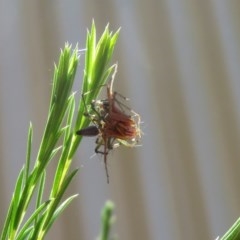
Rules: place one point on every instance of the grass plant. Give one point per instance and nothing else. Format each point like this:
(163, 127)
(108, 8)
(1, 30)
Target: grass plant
(63, 119)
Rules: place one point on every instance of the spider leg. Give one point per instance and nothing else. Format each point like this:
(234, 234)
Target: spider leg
(105, 161)
(100, 142)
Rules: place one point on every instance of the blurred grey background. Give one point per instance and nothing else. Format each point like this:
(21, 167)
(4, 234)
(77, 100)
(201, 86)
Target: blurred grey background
(179, 63)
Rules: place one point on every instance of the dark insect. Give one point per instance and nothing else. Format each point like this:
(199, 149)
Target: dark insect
(89, 131)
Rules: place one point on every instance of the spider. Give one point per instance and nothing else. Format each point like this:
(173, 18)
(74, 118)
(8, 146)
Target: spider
(112, 125)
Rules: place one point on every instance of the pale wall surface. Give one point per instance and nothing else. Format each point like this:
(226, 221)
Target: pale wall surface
(179, 62)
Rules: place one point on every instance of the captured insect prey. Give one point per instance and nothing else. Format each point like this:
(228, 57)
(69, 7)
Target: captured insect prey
(114, 123)
(89, 131)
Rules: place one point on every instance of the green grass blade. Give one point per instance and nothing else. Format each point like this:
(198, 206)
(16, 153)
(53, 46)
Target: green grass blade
(26, 234)
(89, 57)
(62, 168)
(233, 233)
(28, 155)
(96, 71)
(9, 223)
(40, 192)
(43, 224)
(55, 151)
(31, 220)
(71, 107)
(6, 226)
(59, 210)
(106, 220)
(16, 199)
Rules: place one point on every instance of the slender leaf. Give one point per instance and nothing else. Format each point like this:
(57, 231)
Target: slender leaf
(29, 148)
(71, 106)
(106, 220)
(42, 226)
(26, 234)
(6, 226)
(16, 198)
(59, 210)
(31, 219)
(40, 192)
